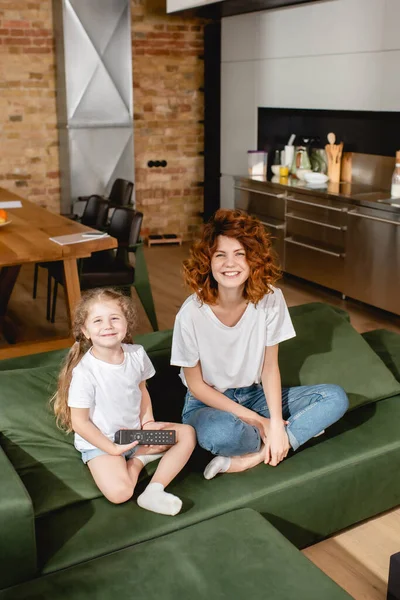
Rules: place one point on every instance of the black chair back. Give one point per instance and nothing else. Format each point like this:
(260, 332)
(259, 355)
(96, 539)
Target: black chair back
(125, 226)
(121, 192)
(95, 213)
(135, 228)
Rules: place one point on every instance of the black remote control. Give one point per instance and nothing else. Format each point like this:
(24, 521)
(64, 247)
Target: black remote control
(146, 437)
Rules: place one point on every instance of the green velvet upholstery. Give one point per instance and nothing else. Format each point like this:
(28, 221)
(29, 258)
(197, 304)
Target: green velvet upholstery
(327, 349)
(386, 344)
(17, 528)
(237, 556)
(349, 474)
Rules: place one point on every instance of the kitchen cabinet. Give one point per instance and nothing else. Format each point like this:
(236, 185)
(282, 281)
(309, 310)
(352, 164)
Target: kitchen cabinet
(269, 207)
(337, 242)
(315, 240)
(373, 258)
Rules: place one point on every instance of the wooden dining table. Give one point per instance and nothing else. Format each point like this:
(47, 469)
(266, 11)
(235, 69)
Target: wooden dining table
(27, 240)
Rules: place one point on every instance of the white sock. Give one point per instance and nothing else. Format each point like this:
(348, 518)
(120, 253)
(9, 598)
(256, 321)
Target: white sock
(148, 458)
(155, 499)
(219, 464)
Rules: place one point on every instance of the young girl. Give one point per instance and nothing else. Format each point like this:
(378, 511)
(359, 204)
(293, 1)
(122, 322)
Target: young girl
(226, 338)
(101, 389)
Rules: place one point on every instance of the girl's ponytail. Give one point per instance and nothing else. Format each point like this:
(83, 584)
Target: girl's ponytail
(60, 398)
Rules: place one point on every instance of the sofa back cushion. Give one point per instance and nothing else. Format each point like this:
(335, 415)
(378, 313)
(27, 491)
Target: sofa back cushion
(386, 344)
(327, 349)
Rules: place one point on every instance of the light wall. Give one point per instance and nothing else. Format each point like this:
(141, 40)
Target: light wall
(335, 54)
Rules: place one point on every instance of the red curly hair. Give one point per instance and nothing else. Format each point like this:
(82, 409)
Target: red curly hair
(251, 233)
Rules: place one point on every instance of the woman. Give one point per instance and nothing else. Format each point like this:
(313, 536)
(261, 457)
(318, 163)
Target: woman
(226, 339)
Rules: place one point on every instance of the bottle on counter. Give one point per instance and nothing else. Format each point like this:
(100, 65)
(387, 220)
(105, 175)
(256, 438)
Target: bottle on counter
(395, 189)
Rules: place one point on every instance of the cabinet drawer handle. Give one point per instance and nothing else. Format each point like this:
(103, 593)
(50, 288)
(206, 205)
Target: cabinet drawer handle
(356, 214)
(292, 241)
(282, 226)
(245, 189)
(316, 205)
(292, 216)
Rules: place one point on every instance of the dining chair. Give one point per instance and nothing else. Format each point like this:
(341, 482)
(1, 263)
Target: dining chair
(120, 193)
(95, 216)
(110, 268)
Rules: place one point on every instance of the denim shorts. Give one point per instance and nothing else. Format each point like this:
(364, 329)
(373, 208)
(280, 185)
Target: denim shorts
(89, 454)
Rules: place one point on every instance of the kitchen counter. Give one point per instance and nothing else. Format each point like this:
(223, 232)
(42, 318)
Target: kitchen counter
(343, 236)
(351, 193)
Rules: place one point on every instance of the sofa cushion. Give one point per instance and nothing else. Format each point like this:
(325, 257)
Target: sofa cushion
(327, 349)
(386, 344)
(347, 475)
(51, 468)
(43, 455)
(237, 556)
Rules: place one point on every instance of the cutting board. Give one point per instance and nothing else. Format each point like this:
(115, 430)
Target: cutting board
(368, 169)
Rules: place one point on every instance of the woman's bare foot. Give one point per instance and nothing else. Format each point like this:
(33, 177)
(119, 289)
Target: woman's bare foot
(235, 464)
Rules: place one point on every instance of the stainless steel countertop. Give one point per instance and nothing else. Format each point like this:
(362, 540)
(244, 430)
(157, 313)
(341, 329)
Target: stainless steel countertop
(351, 193)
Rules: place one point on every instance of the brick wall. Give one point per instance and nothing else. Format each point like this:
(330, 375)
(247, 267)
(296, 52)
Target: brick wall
(167, 73)
(28, 151)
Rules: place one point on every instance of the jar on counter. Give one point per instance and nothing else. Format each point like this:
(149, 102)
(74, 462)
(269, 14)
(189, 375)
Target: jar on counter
(257, 163)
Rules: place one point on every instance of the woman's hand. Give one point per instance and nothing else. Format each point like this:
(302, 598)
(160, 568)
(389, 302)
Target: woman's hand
(277, 443)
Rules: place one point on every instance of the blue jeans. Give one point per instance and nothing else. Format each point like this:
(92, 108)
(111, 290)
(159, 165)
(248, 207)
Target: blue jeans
(308, 409)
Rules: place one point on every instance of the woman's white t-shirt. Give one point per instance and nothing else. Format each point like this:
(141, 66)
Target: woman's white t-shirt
(230, 357)
(111, 392)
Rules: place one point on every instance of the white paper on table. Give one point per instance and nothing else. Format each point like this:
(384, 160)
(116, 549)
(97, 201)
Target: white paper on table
(75, 238)
(11, 204)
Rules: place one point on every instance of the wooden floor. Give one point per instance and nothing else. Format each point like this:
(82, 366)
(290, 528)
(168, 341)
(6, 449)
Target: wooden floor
(357, 559)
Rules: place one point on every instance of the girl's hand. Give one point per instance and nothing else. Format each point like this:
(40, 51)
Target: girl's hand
(277, 443)
(119, 449)
(156, 425)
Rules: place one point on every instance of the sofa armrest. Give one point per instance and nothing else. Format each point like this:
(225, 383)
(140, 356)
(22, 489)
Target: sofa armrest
(17, 526)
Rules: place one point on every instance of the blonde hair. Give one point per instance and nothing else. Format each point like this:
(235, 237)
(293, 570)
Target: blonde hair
(82, 345)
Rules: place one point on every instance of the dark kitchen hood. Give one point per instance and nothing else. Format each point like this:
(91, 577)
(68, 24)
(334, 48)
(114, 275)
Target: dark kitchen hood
(228, 8)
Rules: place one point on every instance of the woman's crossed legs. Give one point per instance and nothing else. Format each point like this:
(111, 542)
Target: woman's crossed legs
(309, 410)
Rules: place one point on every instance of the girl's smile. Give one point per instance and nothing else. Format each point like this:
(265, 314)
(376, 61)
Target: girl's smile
(105, 325)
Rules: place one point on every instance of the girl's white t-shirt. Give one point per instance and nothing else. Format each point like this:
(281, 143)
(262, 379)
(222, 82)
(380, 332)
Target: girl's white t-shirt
(230, 357)
(111, 392)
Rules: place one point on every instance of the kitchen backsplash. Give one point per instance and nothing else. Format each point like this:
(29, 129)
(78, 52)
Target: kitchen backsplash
(366, 132)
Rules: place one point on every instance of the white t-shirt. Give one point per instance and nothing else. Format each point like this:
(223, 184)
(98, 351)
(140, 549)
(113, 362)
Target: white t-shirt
(230, 357)
(111, 392)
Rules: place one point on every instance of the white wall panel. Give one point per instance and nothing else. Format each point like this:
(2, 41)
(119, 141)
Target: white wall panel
(390, 85)
(333, 27)
(327, 82)
(227, 196)
(238, 116)
(391, 32)
(239, 38)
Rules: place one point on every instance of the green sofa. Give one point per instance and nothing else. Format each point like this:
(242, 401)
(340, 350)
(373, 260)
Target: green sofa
(57, 529)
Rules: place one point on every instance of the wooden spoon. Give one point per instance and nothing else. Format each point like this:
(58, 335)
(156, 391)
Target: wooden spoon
(331, 138)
